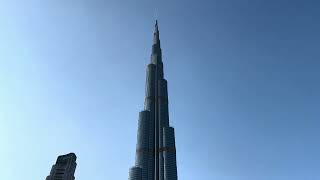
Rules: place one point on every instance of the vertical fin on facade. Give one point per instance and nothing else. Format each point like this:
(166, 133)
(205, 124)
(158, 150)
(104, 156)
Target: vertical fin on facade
(143, 150)
(169, 154)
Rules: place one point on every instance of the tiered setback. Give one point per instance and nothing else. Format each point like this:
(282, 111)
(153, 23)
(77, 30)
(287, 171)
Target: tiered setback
(155, 151)
(142, 151)
(169, 154)
(135, 173)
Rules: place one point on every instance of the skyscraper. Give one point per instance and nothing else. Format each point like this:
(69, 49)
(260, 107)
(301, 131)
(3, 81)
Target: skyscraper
(155, 149)
(64, 168)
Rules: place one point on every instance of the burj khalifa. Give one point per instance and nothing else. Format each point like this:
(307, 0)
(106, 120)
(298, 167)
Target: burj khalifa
(155, 148)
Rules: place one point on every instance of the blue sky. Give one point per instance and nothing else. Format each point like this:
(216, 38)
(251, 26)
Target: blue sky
(243, 81)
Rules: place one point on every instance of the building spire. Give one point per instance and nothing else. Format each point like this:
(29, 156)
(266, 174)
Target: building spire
(156, 38)
(156, 56)
(156, 26)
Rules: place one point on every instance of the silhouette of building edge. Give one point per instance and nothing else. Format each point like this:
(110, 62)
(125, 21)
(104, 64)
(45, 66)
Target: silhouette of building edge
(64, 168)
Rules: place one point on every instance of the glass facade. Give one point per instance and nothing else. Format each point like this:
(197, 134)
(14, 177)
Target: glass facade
(155, 149)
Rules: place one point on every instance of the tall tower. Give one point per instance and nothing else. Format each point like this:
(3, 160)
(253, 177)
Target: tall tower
(155, 149)
(64, 168)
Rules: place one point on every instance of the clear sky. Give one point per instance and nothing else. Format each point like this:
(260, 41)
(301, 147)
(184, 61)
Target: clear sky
(243, 81)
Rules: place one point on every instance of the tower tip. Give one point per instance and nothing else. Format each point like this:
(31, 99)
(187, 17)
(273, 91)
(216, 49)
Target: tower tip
(156, 25)
(156, 39)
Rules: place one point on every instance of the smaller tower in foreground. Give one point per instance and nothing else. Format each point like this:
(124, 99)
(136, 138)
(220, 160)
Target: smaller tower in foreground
(64, 168)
